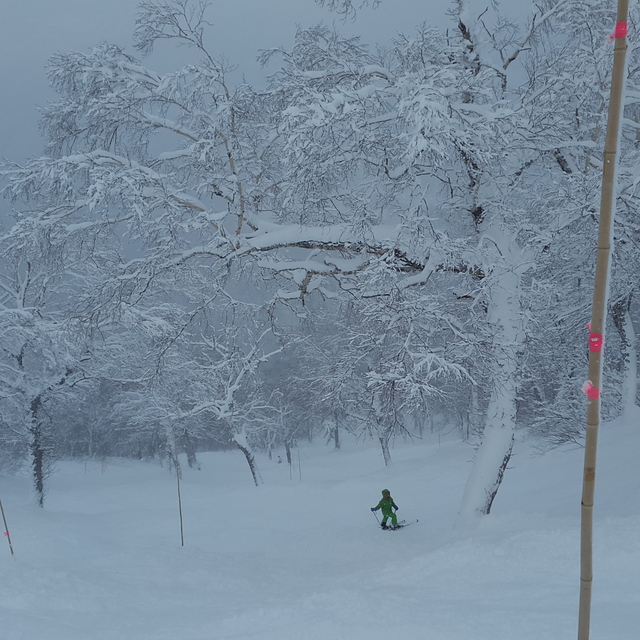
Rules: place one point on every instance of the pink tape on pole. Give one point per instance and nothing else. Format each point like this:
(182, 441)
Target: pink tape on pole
(596, 340)
(6, 533)
(621, 30)
(593, 393)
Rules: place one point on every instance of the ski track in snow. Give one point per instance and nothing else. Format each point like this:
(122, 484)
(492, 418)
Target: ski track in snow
(304, 559)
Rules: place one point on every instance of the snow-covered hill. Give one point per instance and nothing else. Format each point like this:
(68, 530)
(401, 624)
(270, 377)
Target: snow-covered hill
(302, 557)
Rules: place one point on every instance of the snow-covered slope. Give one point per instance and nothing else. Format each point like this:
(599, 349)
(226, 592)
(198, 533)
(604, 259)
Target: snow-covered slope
(302, 557)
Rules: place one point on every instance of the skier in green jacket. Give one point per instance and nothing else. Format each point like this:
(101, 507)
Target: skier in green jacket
(388, 506)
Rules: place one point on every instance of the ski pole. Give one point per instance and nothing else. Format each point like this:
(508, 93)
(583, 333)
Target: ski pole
(6, 528)
(376, 516)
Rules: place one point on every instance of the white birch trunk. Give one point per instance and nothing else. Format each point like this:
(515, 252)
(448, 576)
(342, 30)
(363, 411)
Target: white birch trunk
(386, 454)
(495, 448)
(241, 441)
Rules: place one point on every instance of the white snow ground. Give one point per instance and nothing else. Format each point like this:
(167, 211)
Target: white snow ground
(302, 558)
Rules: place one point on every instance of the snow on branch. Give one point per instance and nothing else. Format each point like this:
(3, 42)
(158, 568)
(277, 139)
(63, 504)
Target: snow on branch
(346, 7)
(179, 19)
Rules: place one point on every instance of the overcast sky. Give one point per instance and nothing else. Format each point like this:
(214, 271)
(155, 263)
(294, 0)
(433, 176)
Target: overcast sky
(32, 30)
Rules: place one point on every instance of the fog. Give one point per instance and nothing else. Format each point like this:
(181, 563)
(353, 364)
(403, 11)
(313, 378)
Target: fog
(30, 32)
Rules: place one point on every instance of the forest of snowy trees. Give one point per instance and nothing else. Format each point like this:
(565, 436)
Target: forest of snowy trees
(375, 241)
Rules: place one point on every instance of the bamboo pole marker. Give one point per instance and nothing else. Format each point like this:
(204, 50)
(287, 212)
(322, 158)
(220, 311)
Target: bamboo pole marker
(598, 314)
(6, 528)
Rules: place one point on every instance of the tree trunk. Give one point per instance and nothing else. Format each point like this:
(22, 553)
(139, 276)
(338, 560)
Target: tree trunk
(492, 456)
(381, 413)
(495, 449)
(384, 443)
(190, 450)
(474, 414)
(171, 447)
(503, 467)
(37, 450)
(172, 453)
(240, 440)
(418, 423)
(621, 315)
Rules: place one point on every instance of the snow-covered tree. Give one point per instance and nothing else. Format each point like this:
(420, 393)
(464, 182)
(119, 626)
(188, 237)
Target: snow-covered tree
(40, 362)
(415, 164)
(213, 203)
(450, 157)
(437, 190)
(151, 226)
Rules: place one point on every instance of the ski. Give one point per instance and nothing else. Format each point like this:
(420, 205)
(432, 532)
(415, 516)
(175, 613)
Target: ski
(403, 523)
(406, 524)
(400, 525)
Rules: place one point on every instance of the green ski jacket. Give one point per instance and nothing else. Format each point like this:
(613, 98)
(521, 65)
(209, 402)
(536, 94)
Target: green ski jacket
(386, 504)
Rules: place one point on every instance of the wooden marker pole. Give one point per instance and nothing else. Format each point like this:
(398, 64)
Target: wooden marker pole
(598, 315)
